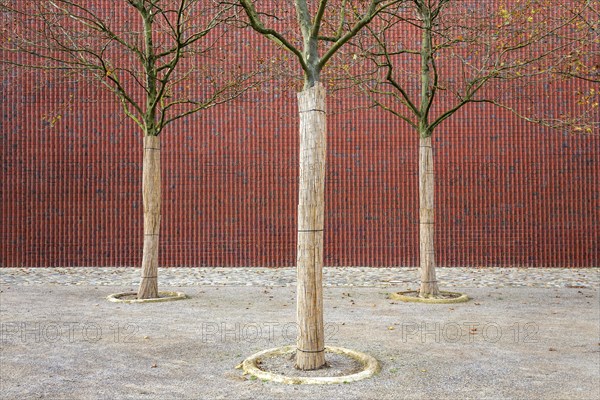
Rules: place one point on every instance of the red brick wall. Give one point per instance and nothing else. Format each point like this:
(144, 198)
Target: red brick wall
(508, 193)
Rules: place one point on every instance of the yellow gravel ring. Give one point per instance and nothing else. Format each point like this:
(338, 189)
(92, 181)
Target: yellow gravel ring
(163, 296)
(403, 296)
(370, 367)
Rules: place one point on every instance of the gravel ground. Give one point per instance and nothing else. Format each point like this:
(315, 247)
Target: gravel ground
(332, 276)
(337, 365)
(65, 341)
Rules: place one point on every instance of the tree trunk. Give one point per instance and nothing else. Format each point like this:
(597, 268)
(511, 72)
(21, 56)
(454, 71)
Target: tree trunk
(311, 203)
(151, 192)
(429, 286)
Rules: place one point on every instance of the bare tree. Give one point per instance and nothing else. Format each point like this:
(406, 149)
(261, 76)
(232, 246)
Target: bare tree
(146, 52)
(431, 58)
(324, 27)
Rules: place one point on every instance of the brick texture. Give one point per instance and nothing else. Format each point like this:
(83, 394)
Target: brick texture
(508, 193)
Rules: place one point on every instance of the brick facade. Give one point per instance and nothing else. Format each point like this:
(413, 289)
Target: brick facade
(508, 193)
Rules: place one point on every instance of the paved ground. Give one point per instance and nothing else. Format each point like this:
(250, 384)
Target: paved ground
(61, 340)
(337, 277)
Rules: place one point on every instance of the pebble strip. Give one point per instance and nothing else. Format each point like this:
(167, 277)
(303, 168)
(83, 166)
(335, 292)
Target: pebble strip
(402, 278)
